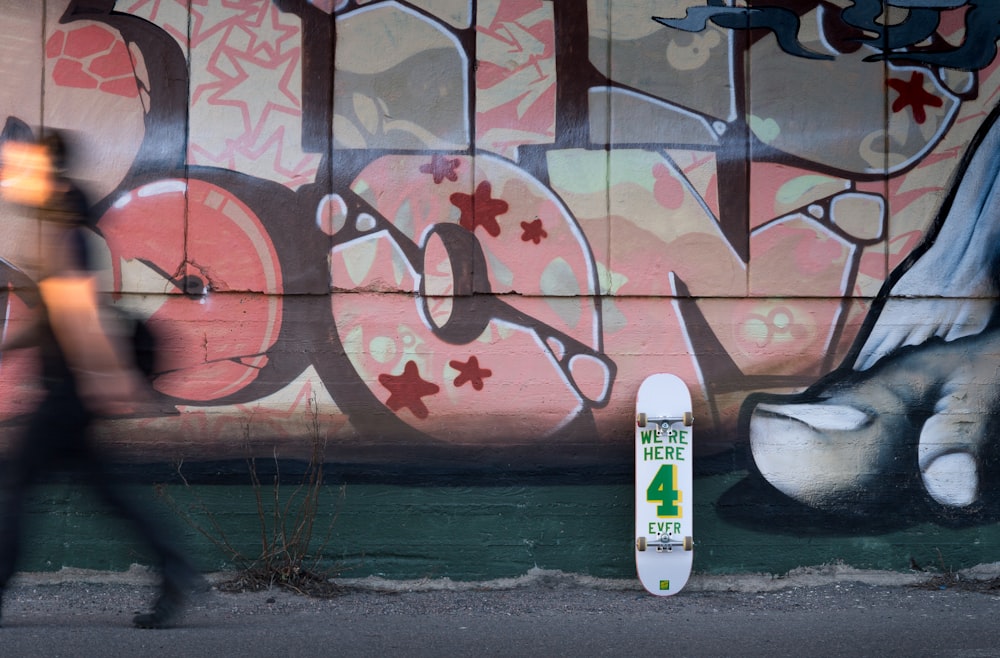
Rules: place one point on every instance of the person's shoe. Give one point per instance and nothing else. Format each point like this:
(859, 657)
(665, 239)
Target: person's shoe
(166, 609)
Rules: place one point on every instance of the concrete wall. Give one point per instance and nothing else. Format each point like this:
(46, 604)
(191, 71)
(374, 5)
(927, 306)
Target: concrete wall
(453, 237)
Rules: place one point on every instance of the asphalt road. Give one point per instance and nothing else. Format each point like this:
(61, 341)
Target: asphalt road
(541, 617)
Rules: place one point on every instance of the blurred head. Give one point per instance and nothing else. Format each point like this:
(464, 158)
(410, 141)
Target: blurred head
(26, 173)
(28, 167)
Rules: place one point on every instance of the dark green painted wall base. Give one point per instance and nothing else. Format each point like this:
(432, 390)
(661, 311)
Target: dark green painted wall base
(484, 532)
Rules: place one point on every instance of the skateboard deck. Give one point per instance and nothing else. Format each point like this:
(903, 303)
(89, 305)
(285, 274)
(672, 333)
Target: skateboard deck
(664, 545)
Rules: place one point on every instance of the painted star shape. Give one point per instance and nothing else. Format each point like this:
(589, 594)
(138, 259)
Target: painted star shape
(470, 372)
(441, 168)
(406, 391)
(533, 231)
(480, 209)
(912, 93)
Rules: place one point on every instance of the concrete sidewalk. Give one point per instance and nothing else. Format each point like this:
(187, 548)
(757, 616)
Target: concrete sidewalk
(826, 612)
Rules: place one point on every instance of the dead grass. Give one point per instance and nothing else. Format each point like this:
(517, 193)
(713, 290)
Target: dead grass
(290, 555)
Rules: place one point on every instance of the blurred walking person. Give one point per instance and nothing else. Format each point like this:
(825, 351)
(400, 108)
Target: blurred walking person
(86, 371)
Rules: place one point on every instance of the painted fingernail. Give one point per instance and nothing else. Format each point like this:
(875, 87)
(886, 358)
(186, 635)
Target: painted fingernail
(952, 479)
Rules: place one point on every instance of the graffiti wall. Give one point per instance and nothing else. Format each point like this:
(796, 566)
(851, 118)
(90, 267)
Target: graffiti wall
(464, 231)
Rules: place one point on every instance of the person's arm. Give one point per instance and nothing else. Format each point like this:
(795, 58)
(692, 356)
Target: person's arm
(100, 363)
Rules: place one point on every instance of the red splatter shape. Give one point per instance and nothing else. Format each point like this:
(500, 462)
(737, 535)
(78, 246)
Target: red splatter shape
(55, 44)
(115, 64)
(669, 191)
(70, 73)
(92, 57)
(120, 87)
(86, 41)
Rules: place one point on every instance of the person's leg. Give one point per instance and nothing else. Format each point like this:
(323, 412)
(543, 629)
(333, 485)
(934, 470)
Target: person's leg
(38, 446)
(179, 578)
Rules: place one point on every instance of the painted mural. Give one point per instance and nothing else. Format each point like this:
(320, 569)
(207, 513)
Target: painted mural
(464, 231)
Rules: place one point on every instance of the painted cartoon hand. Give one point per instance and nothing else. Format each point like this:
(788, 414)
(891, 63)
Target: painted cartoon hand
(917, 411)
(922, 420)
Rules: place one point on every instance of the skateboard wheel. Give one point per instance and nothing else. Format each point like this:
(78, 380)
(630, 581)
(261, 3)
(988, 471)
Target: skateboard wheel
(640, 420)
(688, 419)
(688, 543)
(640, 543)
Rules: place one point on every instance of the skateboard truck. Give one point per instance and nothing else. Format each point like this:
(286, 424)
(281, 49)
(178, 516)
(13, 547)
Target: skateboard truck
(663, 543)
(664, 423)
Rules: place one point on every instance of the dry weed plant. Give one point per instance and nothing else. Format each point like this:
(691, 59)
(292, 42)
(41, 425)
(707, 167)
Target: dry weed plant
(288, 556)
